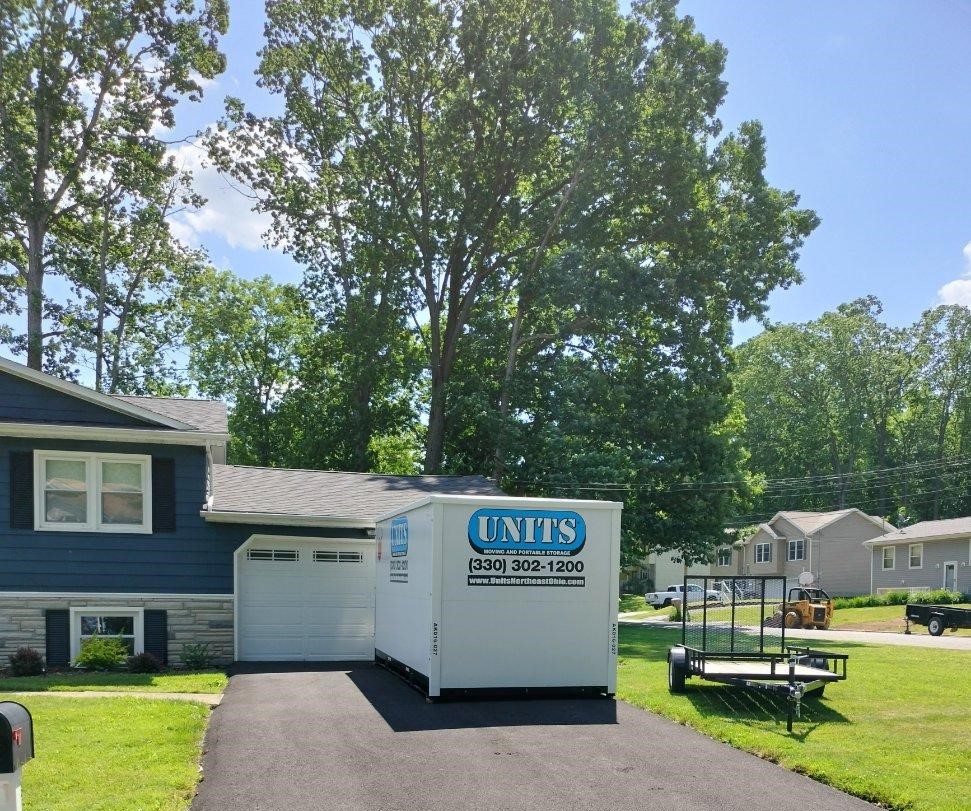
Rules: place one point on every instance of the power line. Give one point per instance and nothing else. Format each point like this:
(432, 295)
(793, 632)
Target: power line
(874, 477)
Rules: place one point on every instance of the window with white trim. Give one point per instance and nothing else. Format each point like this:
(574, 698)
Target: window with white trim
(126, 624)
(724, 556)
(797, 549)
(92, 492)
(889, 557)
(763, 553)
(916, 554)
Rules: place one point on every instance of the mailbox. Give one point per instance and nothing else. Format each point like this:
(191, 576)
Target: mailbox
(16, 737)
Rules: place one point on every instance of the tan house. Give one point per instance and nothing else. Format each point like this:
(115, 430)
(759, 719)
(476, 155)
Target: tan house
(828, 544)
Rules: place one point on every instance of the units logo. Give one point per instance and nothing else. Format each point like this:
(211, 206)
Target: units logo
(505, 531)
(398, 537)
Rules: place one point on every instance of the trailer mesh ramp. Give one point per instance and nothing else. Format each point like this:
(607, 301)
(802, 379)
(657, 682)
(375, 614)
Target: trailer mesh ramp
(731, 614)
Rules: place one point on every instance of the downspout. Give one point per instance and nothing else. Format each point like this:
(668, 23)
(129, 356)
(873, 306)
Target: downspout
(209, 475)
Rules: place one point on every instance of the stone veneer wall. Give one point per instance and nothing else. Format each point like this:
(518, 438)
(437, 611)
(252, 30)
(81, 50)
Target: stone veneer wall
(190, 619)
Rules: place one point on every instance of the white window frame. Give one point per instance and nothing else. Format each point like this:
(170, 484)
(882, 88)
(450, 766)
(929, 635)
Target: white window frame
(106, 611)
(910, 556)
(93, 482)
(893, 559)
(720, 556)
(802, 549)
(765, 545)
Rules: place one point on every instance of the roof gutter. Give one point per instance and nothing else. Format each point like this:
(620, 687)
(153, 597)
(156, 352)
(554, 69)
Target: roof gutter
(95, 433)
(285, 520)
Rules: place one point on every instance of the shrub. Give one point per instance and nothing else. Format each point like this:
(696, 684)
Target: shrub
(102, 653)
(939, 597)
(197, 655)
(144, 663)
(26, 662)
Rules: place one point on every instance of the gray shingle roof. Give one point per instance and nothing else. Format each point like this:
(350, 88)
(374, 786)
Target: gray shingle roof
(811, 521)
(204, 415)
(927, 530)
(330, 494)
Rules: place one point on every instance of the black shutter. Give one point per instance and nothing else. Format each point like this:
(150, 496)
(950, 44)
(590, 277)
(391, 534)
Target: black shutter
(58, 623)
(157, 635)
(21, 490)
(163, 495)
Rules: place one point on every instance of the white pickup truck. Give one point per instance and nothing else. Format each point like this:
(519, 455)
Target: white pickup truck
(661, 599)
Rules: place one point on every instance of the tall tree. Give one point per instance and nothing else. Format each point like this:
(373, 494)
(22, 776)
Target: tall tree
(460, 147)
(83, 85)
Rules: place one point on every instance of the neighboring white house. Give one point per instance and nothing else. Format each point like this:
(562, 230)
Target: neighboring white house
(923, 557)
(828, 544)
(667, 568)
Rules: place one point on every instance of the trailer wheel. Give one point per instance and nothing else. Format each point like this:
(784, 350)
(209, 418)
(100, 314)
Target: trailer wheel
(935, 626)
(816, 692)
(676, 673)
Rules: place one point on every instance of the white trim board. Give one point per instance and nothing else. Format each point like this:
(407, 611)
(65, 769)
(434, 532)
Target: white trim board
(107, 595)
(89, 395)
(284, 520)
(97, 433)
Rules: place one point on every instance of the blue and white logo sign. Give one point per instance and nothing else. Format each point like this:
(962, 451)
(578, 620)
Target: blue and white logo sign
(398, 537)
(507, 531)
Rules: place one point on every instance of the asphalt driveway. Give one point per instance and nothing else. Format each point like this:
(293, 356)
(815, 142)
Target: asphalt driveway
(355, 738)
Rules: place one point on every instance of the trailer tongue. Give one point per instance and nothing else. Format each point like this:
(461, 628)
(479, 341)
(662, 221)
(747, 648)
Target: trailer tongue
(734, 643)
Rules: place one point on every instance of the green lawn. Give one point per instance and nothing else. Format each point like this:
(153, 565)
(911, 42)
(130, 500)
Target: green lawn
(112, 754)
(632, 602)
(882, 618)
(209, 681)
(897, 732)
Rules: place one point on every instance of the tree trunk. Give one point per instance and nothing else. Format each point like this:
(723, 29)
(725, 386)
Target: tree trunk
(435, 441)
(99, 356)
(35, 295)
(504, 392)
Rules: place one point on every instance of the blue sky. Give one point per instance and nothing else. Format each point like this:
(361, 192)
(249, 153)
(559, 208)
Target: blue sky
(867, 113)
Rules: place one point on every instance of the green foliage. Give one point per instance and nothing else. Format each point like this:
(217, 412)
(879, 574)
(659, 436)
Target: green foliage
(937, 597)
(144, 662)
(844, 394)
(81, 93)
(26, 662)
(197, 655)
(101, 653)
(632, 602)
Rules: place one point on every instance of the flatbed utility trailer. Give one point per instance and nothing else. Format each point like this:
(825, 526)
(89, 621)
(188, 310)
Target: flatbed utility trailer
(937, 618)
(729, 644)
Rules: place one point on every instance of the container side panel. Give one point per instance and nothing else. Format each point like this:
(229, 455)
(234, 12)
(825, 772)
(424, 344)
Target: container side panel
(403, 588)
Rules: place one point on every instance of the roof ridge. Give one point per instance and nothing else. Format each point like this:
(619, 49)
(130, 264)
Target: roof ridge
(177, 399)
(360, 472)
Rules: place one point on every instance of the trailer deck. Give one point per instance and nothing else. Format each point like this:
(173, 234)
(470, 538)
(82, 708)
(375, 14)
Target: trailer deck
(727, 643)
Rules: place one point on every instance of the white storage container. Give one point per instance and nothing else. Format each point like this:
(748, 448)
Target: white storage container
(481, 593)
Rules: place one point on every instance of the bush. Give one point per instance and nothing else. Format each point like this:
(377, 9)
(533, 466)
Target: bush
(197, 655)
(26, 662)
(939, 597)
(102, 653)
(144, 663)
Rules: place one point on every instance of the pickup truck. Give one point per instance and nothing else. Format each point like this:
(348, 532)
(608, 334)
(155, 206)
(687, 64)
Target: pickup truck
(661, 599)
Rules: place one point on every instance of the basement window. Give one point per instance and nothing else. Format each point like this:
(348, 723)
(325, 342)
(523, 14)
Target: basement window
(331, 556)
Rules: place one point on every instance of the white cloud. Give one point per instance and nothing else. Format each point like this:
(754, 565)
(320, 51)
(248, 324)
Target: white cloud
(958, 291)
(228, 213)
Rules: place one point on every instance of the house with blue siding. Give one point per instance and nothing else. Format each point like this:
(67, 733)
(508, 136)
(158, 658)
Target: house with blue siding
(119, 516)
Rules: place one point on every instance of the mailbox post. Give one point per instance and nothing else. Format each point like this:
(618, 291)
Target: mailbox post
(16, 748)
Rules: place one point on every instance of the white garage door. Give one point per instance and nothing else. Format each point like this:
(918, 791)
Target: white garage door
(305, 600)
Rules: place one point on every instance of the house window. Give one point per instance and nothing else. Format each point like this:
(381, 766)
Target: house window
(889, 556)
(763, 553)
(797, 549)
(724, 557)
(126, 624)
(916, 555)
(92, 492)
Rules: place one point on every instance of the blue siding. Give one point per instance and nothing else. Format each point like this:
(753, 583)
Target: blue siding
(196, 559)
(23, 401)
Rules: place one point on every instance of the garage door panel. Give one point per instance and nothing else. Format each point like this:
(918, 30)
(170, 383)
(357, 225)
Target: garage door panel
(309, 609)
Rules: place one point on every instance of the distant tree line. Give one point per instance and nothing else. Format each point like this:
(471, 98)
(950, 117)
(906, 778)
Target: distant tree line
(860, 414)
